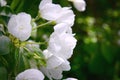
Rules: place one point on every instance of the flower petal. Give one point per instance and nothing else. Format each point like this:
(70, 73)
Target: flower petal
(30, 74)
(44, 2)
(50, 11)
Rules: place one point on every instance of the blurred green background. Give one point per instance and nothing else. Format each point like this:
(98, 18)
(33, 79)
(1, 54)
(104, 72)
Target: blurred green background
(97, 54)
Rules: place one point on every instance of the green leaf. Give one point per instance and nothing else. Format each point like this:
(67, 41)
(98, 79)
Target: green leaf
(3, 73)
(4, 45)
(97, 64)
(19, 62)
(14, 4)
(108, 51)
(26, 62)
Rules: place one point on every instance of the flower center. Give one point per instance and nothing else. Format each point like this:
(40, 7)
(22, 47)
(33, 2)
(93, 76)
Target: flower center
(21, 27)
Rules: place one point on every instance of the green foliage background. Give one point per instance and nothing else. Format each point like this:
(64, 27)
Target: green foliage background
(97, 54)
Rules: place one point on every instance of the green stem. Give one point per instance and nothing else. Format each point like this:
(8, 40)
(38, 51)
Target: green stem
(49, 22)
(18, 55)
(35, 42)
(26, 49)
(37, 17)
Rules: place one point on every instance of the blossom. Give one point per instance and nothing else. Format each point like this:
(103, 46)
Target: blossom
(79, 4)
(55, 66)
(20, 26)
(61, 42)
(30, 74)
(55, 12)
(3, 3)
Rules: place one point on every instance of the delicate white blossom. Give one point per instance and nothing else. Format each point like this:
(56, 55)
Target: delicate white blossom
(55, 12)
(3, 3)
(61, 42)
(80, 5)
(30, 74)
(54, 61)
(55, 66)
(20, 26)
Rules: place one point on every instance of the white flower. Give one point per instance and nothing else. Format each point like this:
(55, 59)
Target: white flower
(30, 74)
(56, 73)
(20, 26)
(79, 4)
(55, 66)
(71, 79)
(55, 12)
(3, 3)
(61, 42)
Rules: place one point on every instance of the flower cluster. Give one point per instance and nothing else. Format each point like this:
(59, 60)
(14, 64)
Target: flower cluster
(60, 48)
(53, 60)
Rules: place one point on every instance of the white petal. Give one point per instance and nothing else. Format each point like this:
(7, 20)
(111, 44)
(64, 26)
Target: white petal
(54, 44)
(52, 73)
(69, 40)
(68, 44)
(30, 74)
(44, 2)
(46, 72)
(47, 54)
(65, 66)
(79, 5)
(71, 79)
(67, 16)
(60, 28)
(56, 73)
(52, 60)
(50, 11)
